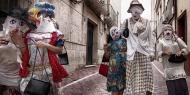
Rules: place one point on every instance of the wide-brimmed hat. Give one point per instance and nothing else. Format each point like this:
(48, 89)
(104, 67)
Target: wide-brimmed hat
(135, 3)
(18, 13)
(21, 14)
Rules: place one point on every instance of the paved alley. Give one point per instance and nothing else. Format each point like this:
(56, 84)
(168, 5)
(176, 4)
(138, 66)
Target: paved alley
(87, 81)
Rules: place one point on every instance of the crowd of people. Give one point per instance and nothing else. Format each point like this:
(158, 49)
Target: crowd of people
(31, 40)
(130, 57)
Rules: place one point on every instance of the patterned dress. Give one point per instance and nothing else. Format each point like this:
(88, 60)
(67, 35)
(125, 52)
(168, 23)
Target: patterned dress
(140, 47)
(116, 79)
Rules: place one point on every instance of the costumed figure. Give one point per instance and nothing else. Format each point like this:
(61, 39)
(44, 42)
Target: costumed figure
(140, 49)
(174, 71)
(10, 54)
(116, 78)
(41, 48)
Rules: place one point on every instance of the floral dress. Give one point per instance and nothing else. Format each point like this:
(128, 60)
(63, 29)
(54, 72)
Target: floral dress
(116, 79)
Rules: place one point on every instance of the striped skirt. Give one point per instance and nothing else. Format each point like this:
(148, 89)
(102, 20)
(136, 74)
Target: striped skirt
(139, 75)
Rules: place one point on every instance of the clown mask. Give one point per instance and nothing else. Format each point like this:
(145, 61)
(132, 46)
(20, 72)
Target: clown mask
(168, 34)
(115, 33)
(12, 23)
(136, 11)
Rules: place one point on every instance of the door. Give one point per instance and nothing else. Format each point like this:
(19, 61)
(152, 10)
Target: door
(90, 31)
(182, 27)
(182, 33)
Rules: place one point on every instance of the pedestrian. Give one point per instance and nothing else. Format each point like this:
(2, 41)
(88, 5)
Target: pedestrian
(173, 72)
(139, 51)
(39, 48)
(116, 82)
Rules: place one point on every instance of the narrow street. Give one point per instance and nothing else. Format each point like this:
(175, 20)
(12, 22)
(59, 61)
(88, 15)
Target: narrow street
(36, 35)
(87, 81)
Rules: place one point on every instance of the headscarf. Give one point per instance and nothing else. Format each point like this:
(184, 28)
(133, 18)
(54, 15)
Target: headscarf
(167, 27)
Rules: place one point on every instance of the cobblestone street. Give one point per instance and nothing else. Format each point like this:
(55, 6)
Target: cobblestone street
(87, 81)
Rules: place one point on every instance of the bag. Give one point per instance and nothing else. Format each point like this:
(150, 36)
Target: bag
(176, 59)
(37, 87)
(103, 70)
(126, 30)
(105, 57)
(63, 58)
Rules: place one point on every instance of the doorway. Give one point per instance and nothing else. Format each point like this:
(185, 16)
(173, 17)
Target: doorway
(182, 33)
(90, 36)
(182, 27)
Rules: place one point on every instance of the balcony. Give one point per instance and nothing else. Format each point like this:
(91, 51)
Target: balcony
(112, 18)
(169, 12)
(98, 6)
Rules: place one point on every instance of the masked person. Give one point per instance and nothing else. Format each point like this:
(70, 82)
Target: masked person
(9, 56)
(39, 48)
(116, 82)
(139, 51)
(173, 72)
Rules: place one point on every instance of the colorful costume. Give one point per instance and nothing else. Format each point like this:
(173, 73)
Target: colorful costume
(45, 32)
(116, 78)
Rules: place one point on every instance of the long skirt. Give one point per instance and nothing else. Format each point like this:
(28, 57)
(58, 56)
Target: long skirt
(177, 87)
(139, 75)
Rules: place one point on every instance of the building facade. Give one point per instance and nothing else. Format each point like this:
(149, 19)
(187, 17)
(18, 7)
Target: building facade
(85, 24)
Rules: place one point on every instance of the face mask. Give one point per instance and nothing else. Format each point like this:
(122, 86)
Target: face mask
(10, 24)
(168, 35)
(46, 25)
(136, 12)
(115, 33)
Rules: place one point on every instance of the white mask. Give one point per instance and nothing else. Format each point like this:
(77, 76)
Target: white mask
(12, 23)
(168, 34)
(115, 33)
(136, 11)
(46, 25)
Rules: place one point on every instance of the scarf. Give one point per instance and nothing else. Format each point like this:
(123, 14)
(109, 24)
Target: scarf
(57, 70)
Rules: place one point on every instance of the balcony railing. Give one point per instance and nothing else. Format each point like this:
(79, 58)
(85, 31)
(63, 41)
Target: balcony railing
(112, 17)
(98, 6)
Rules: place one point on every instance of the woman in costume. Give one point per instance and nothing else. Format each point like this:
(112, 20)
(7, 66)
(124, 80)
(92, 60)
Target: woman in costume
(9, 56)
(174, 72)
(139, 43)
(116, 78)
(40, 47)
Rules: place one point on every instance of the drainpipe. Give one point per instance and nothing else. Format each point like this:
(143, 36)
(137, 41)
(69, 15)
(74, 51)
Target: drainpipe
(175, 14)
